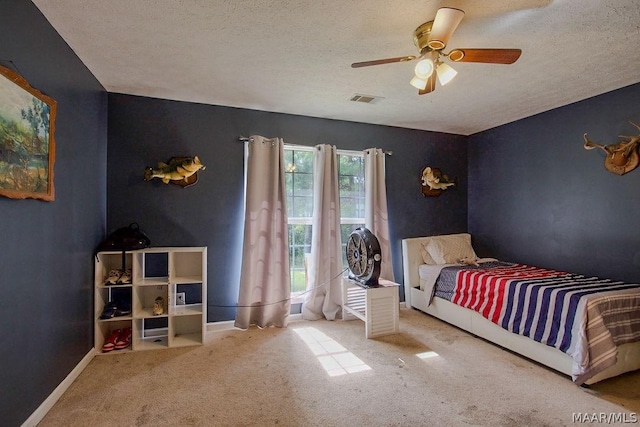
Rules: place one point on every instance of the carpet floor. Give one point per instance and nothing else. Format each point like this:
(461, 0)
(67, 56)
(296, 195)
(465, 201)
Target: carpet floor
(328, 374)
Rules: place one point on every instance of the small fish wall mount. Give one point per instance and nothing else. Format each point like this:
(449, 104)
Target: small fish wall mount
(180, 171)
(434, 182)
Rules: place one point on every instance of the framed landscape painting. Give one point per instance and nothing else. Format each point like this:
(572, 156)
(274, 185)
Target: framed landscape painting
(27, 146)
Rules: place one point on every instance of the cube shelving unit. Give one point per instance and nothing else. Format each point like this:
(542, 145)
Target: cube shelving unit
(166, 273)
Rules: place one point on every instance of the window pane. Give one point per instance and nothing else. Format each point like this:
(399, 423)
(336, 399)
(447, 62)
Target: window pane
(346, 185)
(299, 248)
(351, 208)
(351, 181)
(302, 184)
(351, 165)
(299, 183)
(348, 208)
(288, 183)
(303, 161)
(288, 159)
(302, 207)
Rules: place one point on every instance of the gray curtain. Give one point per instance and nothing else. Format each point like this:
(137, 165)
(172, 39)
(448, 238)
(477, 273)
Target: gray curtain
(265, 284)
(375, 210)
(324, 299)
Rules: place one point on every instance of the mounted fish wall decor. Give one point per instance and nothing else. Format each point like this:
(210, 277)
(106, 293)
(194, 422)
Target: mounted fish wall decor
(434, 182)
(178, 170)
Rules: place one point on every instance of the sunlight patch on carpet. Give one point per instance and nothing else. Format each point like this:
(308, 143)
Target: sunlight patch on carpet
(334, 358)
(427, 355)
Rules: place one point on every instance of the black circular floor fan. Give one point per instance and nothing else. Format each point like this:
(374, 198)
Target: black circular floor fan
(364, 257)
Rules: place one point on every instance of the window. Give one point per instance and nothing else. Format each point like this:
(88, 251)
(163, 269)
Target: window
(351, 186)
(299, 186)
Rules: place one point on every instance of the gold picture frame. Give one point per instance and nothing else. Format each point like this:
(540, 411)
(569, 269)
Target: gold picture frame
(27, 144)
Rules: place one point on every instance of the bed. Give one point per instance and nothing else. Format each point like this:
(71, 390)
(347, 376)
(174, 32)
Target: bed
(430, 262)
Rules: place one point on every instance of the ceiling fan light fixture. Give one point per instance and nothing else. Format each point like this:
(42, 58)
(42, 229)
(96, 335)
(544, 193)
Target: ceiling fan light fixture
(431, 38)
(418, 83)
(424, 68)
(446, 73)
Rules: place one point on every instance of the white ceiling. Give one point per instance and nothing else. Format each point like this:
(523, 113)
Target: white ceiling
(294, 56)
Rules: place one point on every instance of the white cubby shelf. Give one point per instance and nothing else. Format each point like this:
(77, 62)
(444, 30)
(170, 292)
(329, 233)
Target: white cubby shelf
(161, 272)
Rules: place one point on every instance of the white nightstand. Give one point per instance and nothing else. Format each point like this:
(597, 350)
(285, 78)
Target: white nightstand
(378, 307)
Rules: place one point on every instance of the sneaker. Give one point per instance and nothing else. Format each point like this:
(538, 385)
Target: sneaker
(125, 278)
(122, 310)
(124, 339)
(109, 310)
(110, 342)
(114, 276)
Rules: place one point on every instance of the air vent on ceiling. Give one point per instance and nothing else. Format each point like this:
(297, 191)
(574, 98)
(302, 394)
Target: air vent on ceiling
(367, 99)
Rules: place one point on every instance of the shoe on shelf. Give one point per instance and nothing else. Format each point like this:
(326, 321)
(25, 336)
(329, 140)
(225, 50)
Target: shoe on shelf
(110, 342)
(124, 339)
(123, 310)
(114, 276)
(125, 278)
(109, 311)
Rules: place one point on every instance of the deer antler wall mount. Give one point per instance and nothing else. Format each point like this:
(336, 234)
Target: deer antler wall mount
(620, 158)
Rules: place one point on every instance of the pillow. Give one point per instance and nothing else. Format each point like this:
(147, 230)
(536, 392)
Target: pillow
(426, 258)
(450, 249)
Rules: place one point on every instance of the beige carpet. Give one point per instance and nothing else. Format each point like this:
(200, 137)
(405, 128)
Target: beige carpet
(429, 374)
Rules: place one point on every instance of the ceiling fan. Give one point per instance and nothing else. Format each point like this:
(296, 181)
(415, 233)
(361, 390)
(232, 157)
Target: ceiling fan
(431, 38)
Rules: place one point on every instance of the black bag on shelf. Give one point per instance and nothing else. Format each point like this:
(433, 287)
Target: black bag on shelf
(125, 239)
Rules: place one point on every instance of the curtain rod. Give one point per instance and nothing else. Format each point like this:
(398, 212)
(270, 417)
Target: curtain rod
(249, 139)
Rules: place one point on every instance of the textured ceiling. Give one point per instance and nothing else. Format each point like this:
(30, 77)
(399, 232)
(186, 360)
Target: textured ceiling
(294, 56)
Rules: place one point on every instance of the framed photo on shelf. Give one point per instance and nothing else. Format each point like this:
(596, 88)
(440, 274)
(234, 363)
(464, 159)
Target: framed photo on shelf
(27, 145)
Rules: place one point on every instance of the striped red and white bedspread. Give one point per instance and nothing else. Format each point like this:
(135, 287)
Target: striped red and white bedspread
(585, 317)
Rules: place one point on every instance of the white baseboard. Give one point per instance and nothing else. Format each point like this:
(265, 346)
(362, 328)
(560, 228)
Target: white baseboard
(228, 324)
(220, 326)
(42, 410)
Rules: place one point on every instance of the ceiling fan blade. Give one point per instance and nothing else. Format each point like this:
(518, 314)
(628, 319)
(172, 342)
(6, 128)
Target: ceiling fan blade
(382, 61)
(489, 56)
(445, 23)
(431, 85)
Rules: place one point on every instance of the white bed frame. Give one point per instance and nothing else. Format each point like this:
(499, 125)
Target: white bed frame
(473, 322)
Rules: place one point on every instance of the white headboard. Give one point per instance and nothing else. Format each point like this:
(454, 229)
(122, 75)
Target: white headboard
(411, 261)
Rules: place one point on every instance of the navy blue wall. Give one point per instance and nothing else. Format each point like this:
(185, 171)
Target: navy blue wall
(537, 196)
(46, 268)
(144, 131)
